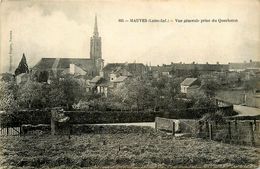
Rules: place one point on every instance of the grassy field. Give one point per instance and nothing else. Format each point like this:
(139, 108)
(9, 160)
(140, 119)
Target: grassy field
(136, 150)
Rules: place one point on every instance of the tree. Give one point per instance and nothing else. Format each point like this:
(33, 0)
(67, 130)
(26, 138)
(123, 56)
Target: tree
(30, 94)
(22, 67)
(217, 116)
(66, 91)
(202, 101)
(173, 87)
(210, 87)
(43, 76)
(7, 77)
(7, 100)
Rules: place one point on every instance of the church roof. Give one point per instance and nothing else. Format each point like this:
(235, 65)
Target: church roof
(63, 63)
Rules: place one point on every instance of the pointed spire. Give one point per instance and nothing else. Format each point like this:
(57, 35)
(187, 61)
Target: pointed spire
(95, 27)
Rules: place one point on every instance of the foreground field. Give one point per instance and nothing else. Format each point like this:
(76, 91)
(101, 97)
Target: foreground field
(147, 150)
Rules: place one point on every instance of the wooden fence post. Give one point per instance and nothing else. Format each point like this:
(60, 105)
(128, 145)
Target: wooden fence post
(21, 132)
(200, 127)
(252, 133)
(236, 125)
(210, 132)
(207, 128)
(173, 128)
(53, 122)
(255, 124)
(229, 131)
(155, 125)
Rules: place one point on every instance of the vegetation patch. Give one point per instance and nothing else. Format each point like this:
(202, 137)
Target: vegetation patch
(147, 150)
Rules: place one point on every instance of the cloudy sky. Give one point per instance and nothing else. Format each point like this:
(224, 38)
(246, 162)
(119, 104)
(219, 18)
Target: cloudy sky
(63, 29)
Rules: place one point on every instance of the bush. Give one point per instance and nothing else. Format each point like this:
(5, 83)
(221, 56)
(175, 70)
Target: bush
(214, 116)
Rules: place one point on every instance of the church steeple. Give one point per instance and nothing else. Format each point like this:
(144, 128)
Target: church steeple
(95, 49)
(96, 27)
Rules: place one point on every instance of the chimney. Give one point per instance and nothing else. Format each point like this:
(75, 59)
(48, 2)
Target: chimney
(217, 63)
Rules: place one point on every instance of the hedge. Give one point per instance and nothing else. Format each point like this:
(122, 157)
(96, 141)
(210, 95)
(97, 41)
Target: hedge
(35, 117)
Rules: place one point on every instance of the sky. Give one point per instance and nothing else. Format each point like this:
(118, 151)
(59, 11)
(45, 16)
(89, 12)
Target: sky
(63, 29)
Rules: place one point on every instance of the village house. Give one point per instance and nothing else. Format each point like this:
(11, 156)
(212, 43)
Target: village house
(120, 81)
(239, 67)
(180, 69)
(160, 71)
(189, 82)
(114, 70)
(199, 68)
(98, 85)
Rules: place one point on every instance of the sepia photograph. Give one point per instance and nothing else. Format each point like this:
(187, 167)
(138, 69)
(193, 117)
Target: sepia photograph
(129, 84)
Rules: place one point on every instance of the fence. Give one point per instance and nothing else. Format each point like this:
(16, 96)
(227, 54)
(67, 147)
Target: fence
(10, 131)
(246, 132)
(238, 132)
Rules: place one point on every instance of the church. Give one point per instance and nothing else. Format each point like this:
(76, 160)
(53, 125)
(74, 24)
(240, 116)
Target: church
(88, 67)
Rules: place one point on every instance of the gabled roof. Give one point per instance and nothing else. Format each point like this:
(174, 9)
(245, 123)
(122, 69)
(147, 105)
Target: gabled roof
(188, 81)
(120, 79)
(194, 87)
(95, 79)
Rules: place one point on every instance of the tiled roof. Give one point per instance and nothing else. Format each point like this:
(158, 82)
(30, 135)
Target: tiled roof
(161, 68)
(244, 65)
(188, 81)
(113, 66)
(194, 87)
(120, 79)
(200, 67)
(95, 79)
(130, 67)
(45, 63)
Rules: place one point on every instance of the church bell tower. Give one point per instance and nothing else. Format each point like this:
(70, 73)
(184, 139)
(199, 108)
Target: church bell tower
(95, 49)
